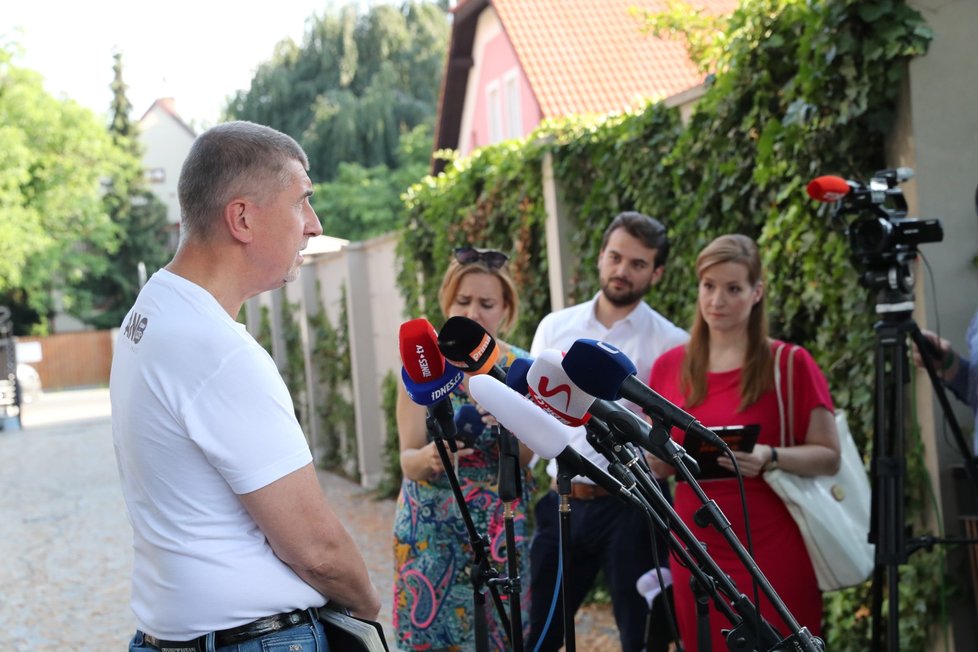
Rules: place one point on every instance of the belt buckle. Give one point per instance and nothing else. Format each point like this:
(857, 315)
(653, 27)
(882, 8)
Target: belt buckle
(261, 627)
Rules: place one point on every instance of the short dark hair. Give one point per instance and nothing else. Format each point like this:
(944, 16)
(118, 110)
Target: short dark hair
(648, 230)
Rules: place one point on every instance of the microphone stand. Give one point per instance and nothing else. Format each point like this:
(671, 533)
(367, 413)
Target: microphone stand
(510, 488)
(482, 571)
(629, 468)
(564, 512)
(750, 631)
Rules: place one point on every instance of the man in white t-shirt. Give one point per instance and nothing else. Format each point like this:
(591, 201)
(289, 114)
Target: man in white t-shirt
(233, 540)
(605, 533)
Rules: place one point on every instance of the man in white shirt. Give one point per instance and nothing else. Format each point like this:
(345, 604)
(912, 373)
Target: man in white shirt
(234, 544)
(605, 533)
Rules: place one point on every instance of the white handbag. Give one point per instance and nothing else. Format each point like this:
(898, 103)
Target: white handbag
(832, 512)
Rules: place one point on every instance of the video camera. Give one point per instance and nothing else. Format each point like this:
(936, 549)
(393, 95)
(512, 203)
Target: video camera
(881, 233)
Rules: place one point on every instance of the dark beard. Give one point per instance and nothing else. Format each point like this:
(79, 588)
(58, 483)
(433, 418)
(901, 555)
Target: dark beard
(625, 299)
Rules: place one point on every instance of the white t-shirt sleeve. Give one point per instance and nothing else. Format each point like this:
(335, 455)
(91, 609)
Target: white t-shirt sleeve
(244, 422)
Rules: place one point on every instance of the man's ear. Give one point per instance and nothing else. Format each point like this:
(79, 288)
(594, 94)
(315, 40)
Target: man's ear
(238, 215)
(657, 274)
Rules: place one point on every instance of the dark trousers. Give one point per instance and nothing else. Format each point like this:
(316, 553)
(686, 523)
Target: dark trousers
(605, 534)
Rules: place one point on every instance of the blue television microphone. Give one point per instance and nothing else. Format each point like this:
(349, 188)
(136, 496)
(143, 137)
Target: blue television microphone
(433, 394)
(430, 392)
(516, 375)
(468, 424)
(602, 370)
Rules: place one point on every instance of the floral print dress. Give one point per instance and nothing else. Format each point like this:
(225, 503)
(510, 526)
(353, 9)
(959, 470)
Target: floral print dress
(433, 596)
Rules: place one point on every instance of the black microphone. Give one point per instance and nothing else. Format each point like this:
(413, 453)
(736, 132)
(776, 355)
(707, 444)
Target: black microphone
(470, 347)
(541, 432)
(626, 424)
(602, 370)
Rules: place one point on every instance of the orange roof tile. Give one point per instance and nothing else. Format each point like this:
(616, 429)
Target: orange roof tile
(591, 56)
(579, 57)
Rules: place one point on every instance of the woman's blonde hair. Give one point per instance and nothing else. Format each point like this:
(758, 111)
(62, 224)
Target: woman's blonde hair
(456, 272)
(757, 374)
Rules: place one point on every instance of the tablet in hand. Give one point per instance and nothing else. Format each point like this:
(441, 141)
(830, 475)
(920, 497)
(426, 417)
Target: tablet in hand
(738, 438)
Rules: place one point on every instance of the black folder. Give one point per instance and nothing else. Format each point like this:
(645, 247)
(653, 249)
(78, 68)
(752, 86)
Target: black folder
(738, 438)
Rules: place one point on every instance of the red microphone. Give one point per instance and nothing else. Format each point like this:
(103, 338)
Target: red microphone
(828, 188)
(420, 355)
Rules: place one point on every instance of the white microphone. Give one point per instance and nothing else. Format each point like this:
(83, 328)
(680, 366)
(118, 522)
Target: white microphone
(541, 432)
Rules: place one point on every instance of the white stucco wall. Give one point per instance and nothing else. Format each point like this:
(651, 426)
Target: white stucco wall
(165, 145)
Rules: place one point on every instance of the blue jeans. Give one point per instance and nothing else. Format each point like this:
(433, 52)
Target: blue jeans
(308, 637)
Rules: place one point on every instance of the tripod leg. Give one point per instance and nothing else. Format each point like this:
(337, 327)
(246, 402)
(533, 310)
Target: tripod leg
(888, 472)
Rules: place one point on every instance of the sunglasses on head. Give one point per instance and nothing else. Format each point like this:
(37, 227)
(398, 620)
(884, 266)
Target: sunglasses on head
(493, 259)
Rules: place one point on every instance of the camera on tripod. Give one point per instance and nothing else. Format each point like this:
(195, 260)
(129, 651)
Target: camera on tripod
(881, 228)
(882, 239)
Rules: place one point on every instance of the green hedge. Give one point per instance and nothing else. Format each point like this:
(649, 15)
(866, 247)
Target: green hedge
(805, 88)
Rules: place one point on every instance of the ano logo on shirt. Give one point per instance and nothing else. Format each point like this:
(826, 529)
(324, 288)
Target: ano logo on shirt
(135, 327)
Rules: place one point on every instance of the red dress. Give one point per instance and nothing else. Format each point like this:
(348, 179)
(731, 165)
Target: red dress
(778, 547)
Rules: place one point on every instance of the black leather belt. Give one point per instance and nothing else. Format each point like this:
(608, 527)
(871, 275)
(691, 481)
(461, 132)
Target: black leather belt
(235, 635)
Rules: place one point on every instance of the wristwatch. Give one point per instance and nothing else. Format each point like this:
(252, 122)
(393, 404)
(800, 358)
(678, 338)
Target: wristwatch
(773, 463)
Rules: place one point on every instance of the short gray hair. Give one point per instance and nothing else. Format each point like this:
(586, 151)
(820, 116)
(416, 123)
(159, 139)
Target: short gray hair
(232, 159)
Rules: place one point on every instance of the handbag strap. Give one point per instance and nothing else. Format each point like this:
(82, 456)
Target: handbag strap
(786, 415)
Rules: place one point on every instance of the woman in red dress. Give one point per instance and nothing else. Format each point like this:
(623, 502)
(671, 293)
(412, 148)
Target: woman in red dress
(724, 376)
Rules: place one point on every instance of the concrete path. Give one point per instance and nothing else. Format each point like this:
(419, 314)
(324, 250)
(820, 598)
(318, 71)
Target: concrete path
(65, 543)
(65, 553)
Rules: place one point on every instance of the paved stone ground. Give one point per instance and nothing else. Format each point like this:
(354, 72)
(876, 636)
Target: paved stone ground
(64, 539)
(65, 543)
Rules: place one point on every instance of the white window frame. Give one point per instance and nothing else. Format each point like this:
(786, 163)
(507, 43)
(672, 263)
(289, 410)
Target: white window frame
(494, 116)
(514, 110)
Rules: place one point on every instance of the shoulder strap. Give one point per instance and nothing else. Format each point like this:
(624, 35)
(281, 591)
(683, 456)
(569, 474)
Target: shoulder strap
(777, 390)
(785, 414)
(791, 396)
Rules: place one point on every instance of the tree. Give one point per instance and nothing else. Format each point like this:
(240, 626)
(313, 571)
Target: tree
(363, 202)
(54, 155)
(106, 292)
(355, 85)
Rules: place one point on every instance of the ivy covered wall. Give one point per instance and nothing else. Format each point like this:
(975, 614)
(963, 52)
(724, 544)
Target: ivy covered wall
(802, 89)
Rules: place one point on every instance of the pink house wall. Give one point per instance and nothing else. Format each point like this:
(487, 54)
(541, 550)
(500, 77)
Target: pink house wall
(499, 58)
